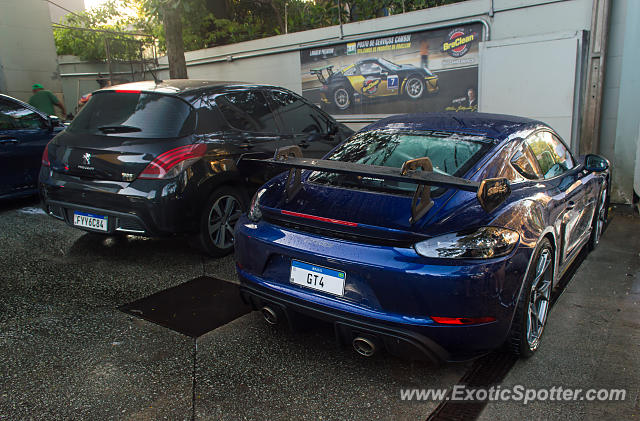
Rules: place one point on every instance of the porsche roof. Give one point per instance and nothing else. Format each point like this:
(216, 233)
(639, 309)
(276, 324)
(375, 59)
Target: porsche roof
(496, 126)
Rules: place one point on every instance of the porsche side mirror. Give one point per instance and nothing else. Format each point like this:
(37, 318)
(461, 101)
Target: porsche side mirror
(595, 163)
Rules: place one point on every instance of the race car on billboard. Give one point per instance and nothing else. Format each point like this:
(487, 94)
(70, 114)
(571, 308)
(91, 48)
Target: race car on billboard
(373, 78)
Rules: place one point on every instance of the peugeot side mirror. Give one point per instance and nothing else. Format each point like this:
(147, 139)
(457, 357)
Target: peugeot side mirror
(595, 163)
(332, 129)
(314, 137)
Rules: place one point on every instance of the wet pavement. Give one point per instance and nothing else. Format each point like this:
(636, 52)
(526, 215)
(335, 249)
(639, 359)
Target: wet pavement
(68, 352)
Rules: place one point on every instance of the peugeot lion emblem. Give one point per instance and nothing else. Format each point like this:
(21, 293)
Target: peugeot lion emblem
(86, 159)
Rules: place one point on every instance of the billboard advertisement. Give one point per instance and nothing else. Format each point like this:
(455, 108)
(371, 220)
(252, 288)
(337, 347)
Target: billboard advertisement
(434, 70)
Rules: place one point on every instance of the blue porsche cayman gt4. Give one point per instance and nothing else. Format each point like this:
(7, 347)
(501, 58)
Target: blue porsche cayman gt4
(437, 236)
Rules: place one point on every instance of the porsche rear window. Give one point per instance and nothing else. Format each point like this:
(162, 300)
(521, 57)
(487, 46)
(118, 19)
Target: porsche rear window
(449, 153)
(133, 114)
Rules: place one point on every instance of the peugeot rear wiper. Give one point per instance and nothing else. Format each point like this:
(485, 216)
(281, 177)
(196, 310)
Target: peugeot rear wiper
(119, 129)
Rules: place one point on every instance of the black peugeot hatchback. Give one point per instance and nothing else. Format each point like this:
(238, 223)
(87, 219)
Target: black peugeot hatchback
(156, 158)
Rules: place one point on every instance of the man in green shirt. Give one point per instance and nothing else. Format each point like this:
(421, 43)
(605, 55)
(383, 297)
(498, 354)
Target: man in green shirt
(45, 100)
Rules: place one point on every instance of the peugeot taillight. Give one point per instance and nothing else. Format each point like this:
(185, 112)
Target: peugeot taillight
(173, 162)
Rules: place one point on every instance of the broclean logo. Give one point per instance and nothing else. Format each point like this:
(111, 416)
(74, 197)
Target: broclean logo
(459, 42)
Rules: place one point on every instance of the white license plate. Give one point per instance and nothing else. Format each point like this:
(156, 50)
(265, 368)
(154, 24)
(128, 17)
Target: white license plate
(89, 220)
(317, 277)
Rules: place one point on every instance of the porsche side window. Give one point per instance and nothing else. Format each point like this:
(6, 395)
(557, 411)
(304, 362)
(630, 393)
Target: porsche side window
(522, 163)
(298, 116)
(561, 151)
(553, 158)
(247, 111)
(370, 68)
(351, 71)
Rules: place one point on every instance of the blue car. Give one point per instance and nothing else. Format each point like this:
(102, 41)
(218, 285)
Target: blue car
(433, 236)
(24, 134)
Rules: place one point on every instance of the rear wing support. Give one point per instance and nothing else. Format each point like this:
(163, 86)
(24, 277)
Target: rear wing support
(293, 183)
(421, 202)
(491, 192)
(318, 73)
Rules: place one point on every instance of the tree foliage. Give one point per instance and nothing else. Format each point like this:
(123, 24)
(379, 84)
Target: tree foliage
(91, 45)
(208, 23)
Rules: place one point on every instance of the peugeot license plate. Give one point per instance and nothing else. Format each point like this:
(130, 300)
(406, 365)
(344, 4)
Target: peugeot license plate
(317, 277)
(89, 220)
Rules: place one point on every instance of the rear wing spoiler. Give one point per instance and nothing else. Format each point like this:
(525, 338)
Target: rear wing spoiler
(490, 192)
(318, 73)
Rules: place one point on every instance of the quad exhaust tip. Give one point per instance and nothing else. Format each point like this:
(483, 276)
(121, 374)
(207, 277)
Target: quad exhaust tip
(363, 346)
(269, 315)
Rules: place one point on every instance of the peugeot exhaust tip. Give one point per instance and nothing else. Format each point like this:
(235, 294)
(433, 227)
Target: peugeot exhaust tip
(364, 346)
(269, 315)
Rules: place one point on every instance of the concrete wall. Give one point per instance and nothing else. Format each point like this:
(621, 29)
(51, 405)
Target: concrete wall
(80, 77)
(619, 131)
(627, 136)
(515, 79)
(27, 48)
(56, 13)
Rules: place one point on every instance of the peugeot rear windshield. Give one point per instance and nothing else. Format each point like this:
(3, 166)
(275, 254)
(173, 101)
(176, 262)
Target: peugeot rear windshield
(450, 153)
(134, 114)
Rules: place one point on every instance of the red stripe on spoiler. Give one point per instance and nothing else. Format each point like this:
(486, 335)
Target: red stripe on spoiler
(319, 218)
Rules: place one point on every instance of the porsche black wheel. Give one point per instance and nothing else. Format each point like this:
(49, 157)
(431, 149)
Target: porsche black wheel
(414, 87)
(342, 98)
(222, 211)
(534, 303)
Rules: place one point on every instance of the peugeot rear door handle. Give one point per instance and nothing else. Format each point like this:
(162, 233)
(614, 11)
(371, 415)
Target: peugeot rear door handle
(303, 145)
(571, 205)
(245, 146)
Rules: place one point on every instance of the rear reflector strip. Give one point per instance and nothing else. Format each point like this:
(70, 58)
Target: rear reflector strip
(319, 218)
(462, 320)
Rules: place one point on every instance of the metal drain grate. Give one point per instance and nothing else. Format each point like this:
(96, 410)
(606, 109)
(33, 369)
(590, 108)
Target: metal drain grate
(485, 372)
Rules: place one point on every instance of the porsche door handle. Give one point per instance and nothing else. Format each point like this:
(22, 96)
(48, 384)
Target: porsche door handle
(9, 141)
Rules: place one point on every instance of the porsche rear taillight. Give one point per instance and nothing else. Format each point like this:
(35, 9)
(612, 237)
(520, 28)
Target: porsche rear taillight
(171, 163)
(463, 320)
(45, 157)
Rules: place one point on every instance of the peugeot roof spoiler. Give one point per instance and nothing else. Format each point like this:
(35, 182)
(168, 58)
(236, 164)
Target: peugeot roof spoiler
(491, 192)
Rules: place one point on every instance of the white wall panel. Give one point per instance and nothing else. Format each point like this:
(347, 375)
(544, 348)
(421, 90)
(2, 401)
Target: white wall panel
(532, 77)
